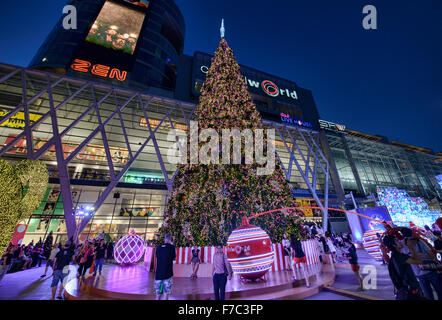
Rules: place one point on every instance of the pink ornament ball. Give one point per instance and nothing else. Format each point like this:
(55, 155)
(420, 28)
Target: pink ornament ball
(129, 249)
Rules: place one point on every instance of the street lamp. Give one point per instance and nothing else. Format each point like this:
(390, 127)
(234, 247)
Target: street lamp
(81, 213)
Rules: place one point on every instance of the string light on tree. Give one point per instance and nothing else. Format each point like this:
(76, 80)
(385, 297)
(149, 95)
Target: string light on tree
(209, 200)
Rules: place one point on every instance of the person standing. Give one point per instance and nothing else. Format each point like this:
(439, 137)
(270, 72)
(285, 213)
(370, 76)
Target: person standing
(47, 247)
(399, 268)
(109, 251)
(6, 261)
(428, 278)
(221, 271)
(51, 258)
(37, 252)
(325, 247)
(299, 258)
(353, 260)
(85, 257)
(61, 260)
(195, 261)
(100, 252)
(165, 255)
(287, 251)
(331, 246)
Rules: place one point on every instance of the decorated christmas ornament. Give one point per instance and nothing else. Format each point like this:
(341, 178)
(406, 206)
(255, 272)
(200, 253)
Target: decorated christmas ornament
(129, 249)
(371, 243)
(249, 251)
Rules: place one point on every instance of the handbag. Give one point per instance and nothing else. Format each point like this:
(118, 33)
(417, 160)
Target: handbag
(92, 269)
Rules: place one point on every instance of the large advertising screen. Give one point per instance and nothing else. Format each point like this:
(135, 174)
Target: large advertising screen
(377, 213)
(117, 27)
(140, 3)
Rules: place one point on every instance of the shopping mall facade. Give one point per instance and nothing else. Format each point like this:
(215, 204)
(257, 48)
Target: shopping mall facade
(98, 108)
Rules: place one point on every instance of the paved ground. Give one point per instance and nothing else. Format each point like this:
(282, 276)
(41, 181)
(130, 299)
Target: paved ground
(27, 285)
(346, 280)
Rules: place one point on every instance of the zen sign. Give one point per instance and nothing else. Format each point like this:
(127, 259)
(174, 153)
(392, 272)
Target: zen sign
(99, 70)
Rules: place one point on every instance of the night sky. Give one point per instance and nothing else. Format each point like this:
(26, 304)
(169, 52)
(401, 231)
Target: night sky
(386, 81)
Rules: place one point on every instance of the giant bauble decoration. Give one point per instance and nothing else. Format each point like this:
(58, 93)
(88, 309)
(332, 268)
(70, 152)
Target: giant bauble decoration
(249, 251)
(129, 249)
(371, 243)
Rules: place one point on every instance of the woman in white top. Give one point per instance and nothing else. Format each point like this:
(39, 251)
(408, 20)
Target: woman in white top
(331, 246)
(287, 251)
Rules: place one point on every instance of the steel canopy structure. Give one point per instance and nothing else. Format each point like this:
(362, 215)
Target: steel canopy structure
(58, 118)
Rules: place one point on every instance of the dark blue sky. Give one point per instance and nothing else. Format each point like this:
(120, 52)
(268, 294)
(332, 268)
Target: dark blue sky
(386, 81)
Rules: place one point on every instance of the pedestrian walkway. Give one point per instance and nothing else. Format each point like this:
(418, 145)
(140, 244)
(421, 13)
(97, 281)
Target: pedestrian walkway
(346, 280)
(26, 285)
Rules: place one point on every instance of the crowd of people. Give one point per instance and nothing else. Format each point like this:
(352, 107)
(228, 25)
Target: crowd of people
(88, 255)
(337, 245)
(414, 268)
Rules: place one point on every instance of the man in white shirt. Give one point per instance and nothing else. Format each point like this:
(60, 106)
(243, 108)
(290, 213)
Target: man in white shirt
(51, 258)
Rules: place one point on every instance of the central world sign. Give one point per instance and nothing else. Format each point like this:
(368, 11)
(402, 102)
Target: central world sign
(331, 126)
(269, 87)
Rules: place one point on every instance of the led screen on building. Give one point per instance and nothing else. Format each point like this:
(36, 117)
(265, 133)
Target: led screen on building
(141, 3)
(117, 27)
(379, 214)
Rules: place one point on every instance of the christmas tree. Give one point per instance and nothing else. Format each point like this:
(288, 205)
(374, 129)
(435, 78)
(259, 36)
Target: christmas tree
(208, 201)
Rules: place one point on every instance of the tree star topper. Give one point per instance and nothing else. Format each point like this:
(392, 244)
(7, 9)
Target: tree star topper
(222, 30)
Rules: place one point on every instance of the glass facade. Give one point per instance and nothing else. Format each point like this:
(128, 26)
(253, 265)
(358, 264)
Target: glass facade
(138, 209)
(106, 139)
(377, 163)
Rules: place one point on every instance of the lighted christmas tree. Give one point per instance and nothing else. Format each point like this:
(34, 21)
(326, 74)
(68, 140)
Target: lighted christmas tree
(209, 201)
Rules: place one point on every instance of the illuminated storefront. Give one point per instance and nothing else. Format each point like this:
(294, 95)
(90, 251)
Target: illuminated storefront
(115, 144)
(365, 162)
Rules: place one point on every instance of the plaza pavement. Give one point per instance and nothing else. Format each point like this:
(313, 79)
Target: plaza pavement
(27, 285)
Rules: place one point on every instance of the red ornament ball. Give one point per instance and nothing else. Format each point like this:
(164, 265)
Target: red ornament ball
(249, 251)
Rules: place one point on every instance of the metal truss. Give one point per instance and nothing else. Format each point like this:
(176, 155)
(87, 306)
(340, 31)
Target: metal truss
(32, 85)
(290, 135)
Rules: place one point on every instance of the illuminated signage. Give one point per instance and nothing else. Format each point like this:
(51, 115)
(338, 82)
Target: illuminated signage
(140, 3)
(331, 126)
(90, 152)
(165, 125)
(117, 27)
(269, 87)
(99, 70)
(288, 119)
(17, 120)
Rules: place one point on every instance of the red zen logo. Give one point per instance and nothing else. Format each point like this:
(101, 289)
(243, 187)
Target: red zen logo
(99, 70)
